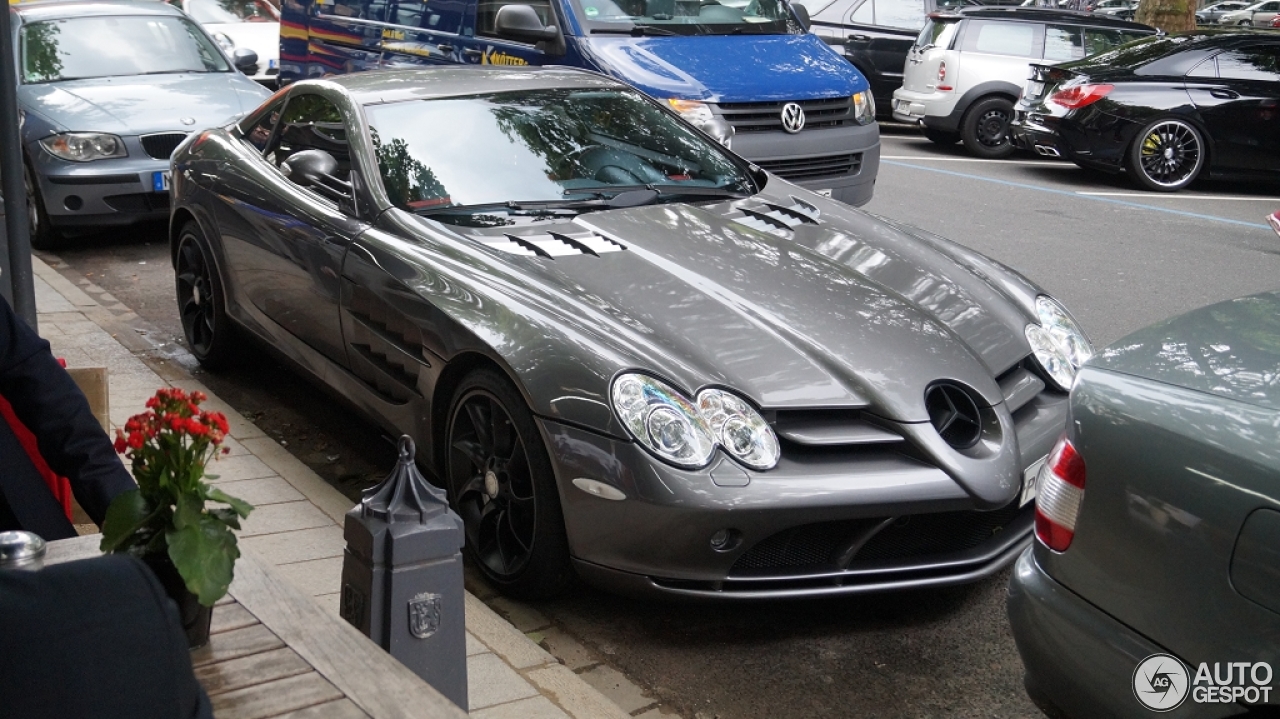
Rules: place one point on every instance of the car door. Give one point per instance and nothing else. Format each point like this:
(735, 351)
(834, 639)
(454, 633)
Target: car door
(481, 44)
(883, 43)
(1237, 94)
(998, 50)
(287, 241)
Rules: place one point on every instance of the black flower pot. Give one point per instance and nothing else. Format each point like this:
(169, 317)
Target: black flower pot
(195, 616)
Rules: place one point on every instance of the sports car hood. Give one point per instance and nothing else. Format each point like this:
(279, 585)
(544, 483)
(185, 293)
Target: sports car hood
(728, 68)
(1231, 349)
(138, 105)
(834, 314)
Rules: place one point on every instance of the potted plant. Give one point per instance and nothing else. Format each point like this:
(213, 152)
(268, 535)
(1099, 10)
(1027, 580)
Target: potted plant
(165, 522)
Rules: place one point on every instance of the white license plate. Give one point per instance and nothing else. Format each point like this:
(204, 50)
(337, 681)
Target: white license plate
(1034, 89)
(824, 193)
(1029, 477)
(160, 181)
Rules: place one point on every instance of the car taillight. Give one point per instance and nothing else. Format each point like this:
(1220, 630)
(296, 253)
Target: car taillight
(942, 71)
(1077, 97)
(1059, 493)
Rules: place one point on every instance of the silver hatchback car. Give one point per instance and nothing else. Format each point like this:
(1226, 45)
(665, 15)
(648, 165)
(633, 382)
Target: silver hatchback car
(107, 91)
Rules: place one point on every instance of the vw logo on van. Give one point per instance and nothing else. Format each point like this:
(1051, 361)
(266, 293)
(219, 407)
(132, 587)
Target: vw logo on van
(792, 118)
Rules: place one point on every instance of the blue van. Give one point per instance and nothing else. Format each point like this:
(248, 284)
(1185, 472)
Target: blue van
(747, 72)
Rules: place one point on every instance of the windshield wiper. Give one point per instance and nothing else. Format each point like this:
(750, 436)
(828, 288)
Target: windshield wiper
(659, 190)
(636, 31)
(630, 197)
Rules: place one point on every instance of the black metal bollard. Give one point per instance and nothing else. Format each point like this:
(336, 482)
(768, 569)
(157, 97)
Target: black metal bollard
(402, 576)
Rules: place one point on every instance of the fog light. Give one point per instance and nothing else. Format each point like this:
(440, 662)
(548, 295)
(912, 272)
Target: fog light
(725, 540)
(73, 202)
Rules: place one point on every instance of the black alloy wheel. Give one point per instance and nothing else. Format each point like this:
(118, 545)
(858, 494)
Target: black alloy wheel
(502, 485)
(1166, 155)
(42, 233)
(209, 333)
(985, 128)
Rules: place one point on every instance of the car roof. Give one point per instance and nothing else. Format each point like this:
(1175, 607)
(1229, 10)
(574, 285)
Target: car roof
(1043, 14)
(383, 86)
(59, 9)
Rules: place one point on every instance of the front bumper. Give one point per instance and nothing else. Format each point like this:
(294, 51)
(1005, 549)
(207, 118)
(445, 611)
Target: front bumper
(862, 520)
(1079, 660)
(840, 161)
(102, 193)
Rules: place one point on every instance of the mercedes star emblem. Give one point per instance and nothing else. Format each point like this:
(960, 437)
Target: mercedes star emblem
(792, 118)
(188, 121)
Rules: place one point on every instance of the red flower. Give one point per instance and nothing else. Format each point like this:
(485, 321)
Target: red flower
(219, 420)
(120, 444)
(198, 396)
(196, 428)
(136, 440)
(154, 402)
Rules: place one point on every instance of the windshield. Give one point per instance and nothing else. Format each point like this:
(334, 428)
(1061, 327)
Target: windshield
(215, 12)
(937, 32)
(541, 146)
(86, 47)
(688, 17)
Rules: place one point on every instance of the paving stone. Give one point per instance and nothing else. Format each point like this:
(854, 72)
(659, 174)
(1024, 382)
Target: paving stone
(579, 699)
(317, 491)
(522, 616)
(258, 492)
(316, 577)
(504, 639)
(616, 687)
(300, 546)
(286, 517)
(475, 646)
(491, 681)
(232, 467)
(531, 708)
(568, 650)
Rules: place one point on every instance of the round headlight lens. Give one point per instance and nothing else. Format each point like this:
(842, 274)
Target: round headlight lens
(739, 428)
(662, 420)
(1051, 357)
(1064, 331)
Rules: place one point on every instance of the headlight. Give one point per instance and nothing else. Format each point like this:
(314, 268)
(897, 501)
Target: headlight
(84, 146)
(662, 420)
(1051, 357)
(739, 428)
(1064, 331)
(224, 42)
(864, 108)
(700, 116)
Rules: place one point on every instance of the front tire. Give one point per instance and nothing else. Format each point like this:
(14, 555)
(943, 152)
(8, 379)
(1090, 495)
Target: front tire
(1166, 156)
(502, 484)
(941, 137)
(202, 303)
(985, 128)
(43, 234)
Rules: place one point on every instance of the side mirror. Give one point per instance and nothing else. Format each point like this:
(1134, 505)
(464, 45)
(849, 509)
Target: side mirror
(520, 22)
(802, 14)
(245, 60)
(310, 168)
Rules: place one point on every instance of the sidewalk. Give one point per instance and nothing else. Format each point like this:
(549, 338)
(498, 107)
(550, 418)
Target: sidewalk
(297, 521)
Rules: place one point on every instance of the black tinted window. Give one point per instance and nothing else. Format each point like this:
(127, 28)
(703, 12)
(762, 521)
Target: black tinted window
(1250, 63)
(1019, 39)
(260, 133)
(311, 122)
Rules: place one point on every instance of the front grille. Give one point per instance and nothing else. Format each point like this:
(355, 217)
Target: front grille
(809, 168)
(922, 535)
(815, 547)
(161, 145)
(767, 116)
(140, 202)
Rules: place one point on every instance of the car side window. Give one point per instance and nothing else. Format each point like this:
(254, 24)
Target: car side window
(864, 14)
(260, 133)
(1258, 62)
(1063, 43)
(487, 13)
(906, 14)
(1020, 39)
(310, 122)
(1099, 40)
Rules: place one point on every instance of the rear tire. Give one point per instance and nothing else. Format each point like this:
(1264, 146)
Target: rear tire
(211, 337)
(1166, 155)
(502, 484)
(985, 128)
(941, 137)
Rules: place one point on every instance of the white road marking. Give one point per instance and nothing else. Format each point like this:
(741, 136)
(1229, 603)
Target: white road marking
(1173, 196)
(978, 159)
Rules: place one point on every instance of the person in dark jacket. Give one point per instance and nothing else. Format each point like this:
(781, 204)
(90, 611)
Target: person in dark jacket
(70, 439)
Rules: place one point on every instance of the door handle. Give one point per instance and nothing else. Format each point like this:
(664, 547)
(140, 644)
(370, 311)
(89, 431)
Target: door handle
(472, 52)
(445, 48)
(860, 38)
(1223, 94)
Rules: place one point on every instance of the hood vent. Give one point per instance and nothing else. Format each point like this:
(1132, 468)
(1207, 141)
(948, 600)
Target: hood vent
(776, 219)
(830, 428)
(550, 244)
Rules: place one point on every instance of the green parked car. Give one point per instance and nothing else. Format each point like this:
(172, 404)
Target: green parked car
(1154, 583)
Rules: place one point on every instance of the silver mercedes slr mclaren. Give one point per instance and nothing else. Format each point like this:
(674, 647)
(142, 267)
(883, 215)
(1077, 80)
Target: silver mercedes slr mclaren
(628, 354)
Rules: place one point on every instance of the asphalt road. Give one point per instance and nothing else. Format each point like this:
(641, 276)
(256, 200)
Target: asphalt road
(1120, 258)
